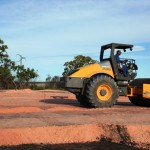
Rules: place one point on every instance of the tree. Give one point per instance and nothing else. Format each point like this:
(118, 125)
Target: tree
(23, 75)
(9, 72)
(48, 79)
(52, 79)
(79, 61)
(55, 79)
(6, 65)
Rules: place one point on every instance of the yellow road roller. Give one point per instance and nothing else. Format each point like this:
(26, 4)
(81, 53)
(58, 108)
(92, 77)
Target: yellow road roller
(100, 84)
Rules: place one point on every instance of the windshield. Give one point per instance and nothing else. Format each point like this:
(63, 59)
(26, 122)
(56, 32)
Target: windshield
(107, 53)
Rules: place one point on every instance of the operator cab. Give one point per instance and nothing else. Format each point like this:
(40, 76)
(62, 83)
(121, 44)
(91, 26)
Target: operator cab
(107, 54)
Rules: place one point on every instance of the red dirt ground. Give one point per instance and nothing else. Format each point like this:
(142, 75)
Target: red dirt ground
(55, 117)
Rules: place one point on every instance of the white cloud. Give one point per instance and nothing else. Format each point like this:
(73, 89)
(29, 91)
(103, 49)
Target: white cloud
(139, 48)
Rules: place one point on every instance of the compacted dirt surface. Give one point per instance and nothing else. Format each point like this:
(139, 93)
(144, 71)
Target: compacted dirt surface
(52, 119)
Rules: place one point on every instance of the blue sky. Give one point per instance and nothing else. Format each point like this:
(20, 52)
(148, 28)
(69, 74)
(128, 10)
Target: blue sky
(50, 32)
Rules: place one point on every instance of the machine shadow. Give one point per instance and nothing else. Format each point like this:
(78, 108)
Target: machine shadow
(70, 102)
(73, 102)
(124, 104)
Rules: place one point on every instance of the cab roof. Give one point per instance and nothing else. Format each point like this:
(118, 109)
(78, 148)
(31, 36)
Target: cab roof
(117, 45)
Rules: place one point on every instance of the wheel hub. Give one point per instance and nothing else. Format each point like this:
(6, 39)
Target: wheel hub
(103, 92)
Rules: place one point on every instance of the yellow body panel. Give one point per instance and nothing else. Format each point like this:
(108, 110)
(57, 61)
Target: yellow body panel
(90, 70)
(134, 91)
(146, 90)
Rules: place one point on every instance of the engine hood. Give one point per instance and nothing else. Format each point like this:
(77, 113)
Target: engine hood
(93, 69)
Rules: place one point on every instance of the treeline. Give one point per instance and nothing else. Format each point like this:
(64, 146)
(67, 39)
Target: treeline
(45, 85)
(13, 76)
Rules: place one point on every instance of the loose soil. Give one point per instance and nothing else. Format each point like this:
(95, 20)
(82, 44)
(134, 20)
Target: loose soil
(55, 119)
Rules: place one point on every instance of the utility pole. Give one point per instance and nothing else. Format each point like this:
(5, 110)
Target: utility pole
(21, 58)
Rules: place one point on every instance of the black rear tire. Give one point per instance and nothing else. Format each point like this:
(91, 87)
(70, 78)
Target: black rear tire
(82, 100)
(101, 91)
